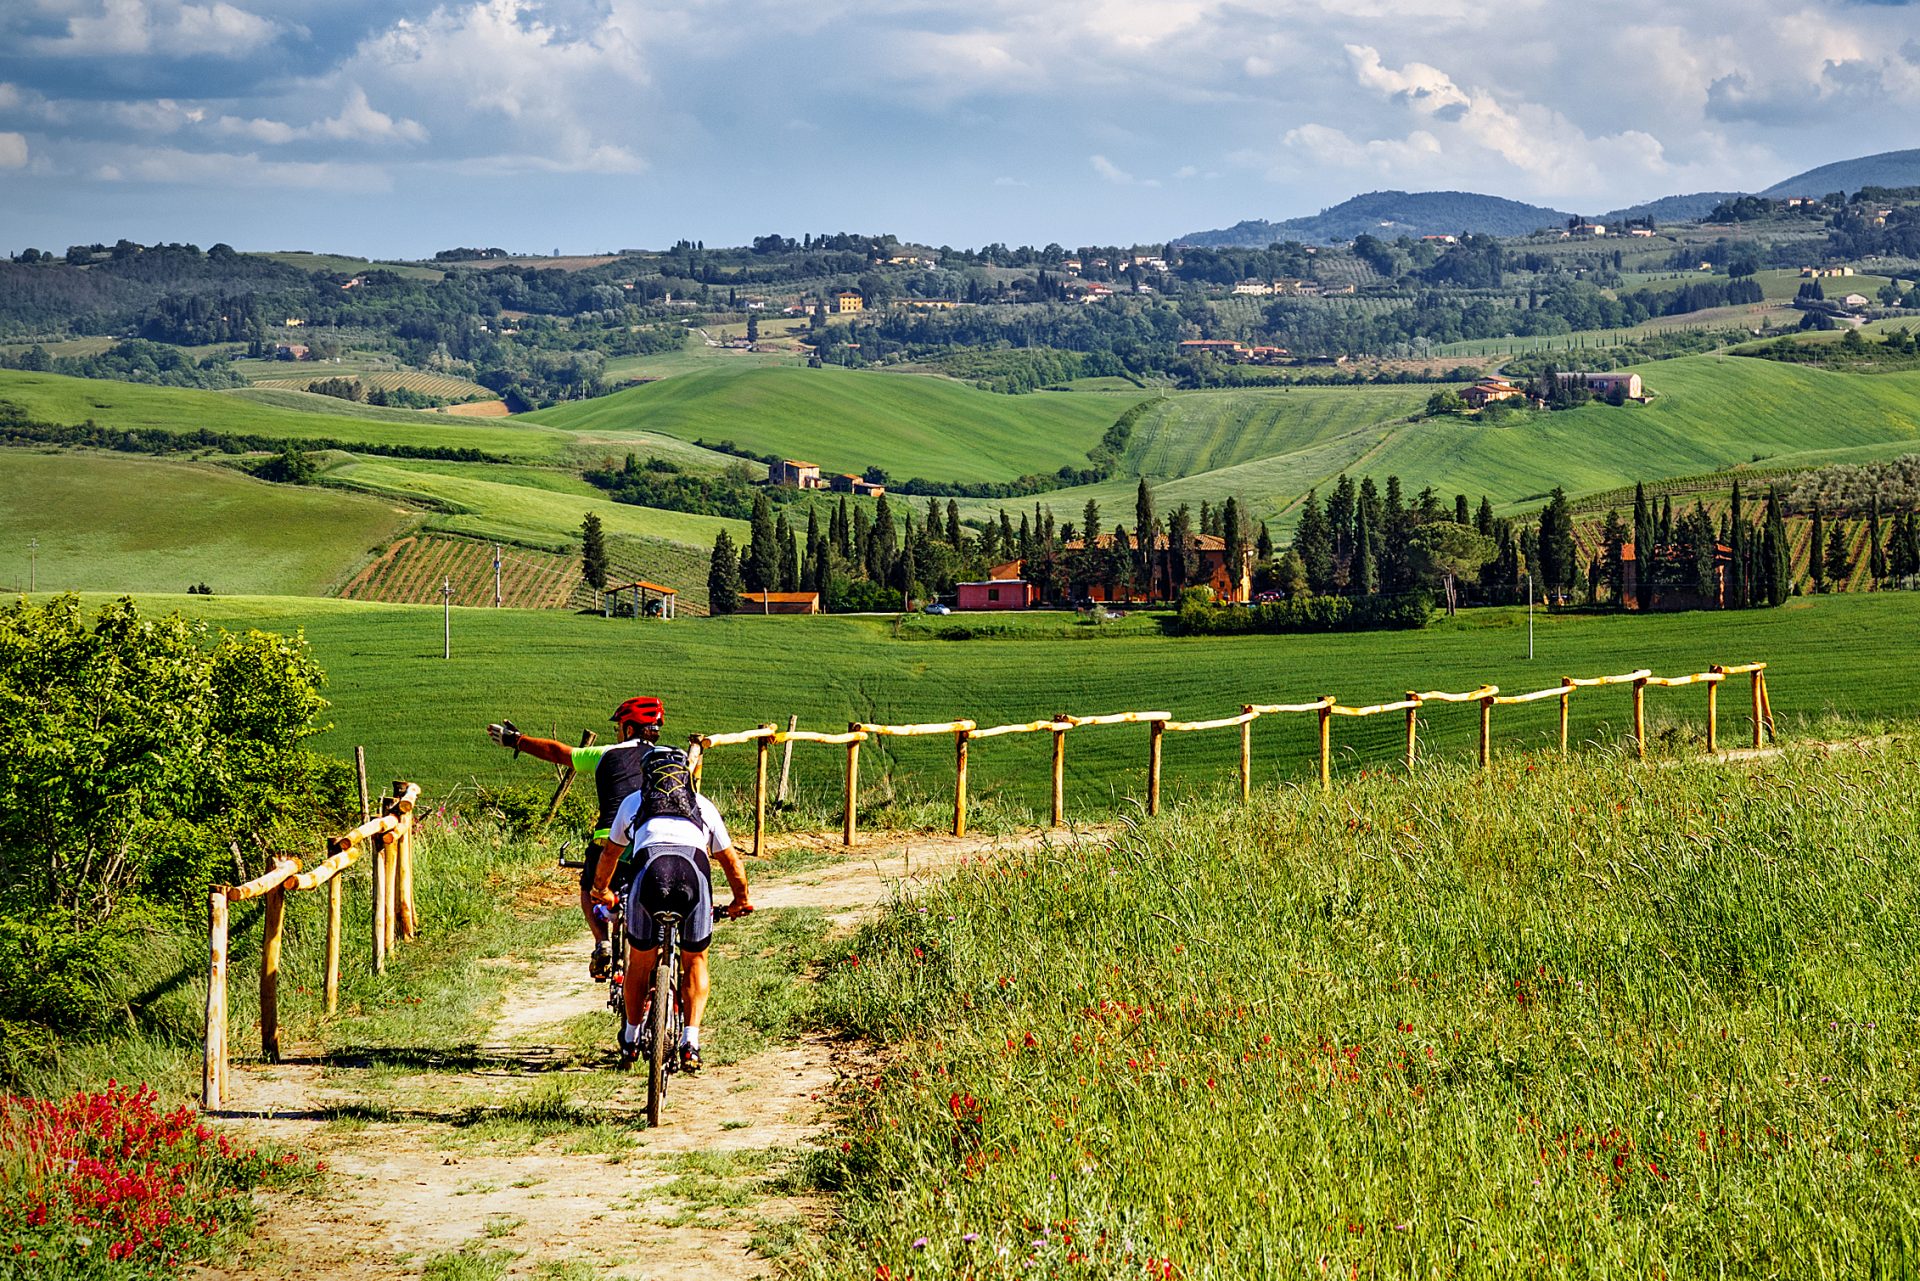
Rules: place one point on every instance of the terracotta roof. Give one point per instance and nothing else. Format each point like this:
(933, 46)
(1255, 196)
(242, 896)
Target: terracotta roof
(645, 585)
(780, 598)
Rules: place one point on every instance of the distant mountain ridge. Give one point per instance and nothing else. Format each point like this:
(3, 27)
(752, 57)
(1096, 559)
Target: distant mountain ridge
(1688, 208)
(1390, 215)
(1888, 169)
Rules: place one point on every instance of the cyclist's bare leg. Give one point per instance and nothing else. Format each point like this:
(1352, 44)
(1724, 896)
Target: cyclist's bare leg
(694, 986)
(594, 923)
(639, 982)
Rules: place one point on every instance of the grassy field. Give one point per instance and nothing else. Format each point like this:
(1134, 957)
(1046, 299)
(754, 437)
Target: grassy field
(1553, 1021)
(349, 266)
(110, 523)
(849, 420)
(556, 672)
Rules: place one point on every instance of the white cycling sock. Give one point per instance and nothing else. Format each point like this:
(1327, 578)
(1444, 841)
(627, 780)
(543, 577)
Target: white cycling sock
(690, 1037)
(633, 1031)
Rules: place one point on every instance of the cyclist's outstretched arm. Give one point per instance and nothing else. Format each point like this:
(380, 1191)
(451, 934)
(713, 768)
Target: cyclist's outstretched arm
(541, 749)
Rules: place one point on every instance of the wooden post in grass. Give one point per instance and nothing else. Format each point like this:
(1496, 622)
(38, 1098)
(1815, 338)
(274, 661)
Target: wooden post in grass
(1759, 713)
(1486, 732)
(1059, 815)
(379, 879)
(761, 746)
(1155, 731)
(273, 922)
(1326, 744)
(333, 942)
(960, 782)
(786, 759)
(1713, 711)
(1413, 728)
(1766, 707)
(853, 786)
(402, 808)
(1566, 693)
(1246, 754)
(1640, 718)
(213, 1067)
(566, 781)
(360, 770)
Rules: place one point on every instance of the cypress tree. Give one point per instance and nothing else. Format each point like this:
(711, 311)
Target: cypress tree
(1876, 545)
(761, 569)
(1312, 540)
(1737, 540)
(1007, 545)
(1206, 518)
(1145, 529)
(723, 576)
(954, 539)
(1614, 536)
(1342, 506)
(1666, 519)
(1236, 543)
(593, 552)
(1817, 549)
(1179, 548)
(1263, 543)
(906, 573)
(883, 543)
(1643, 535)
(820, 569)
(1483, 518)
(1460, 516)
(1779, 550)
(859, 541)
(789, 555)
(1839, 563)
(1090, 523)
(1363, 575)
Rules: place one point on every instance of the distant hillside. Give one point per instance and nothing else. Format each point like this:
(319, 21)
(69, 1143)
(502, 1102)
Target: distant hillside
(1390, 214)
(1888, 169)
(1690, 208)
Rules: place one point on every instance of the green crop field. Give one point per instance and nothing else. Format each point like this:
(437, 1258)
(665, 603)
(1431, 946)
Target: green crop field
(110, 523)
(848, 420)
(349, 266)
(557, 672)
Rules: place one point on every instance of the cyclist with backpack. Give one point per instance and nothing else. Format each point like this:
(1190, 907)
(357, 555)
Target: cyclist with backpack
(616, 776)
(672, 830)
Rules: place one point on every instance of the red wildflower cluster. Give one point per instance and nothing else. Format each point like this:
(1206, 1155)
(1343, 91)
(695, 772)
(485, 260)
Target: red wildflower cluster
(108, 1177)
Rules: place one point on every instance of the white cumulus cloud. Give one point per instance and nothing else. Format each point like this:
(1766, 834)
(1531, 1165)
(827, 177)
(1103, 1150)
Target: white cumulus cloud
(13, 150)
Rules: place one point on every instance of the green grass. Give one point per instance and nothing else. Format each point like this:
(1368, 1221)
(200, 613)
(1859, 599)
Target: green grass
(1551, 1021)
(849, 420)
(555, 673)
(113, 523)
(348, 266)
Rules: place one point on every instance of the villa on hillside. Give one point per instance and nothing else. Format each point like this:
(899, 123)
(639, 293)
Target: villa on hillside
(1627, 386)
(848, 301)
(1011, 592)
(795, 474)
(848, 483)
(1488, 390)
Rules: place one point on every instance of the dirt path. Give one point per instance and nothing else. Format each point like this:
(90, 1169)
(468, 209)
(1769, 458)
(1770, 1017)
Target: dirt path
(528, 1158)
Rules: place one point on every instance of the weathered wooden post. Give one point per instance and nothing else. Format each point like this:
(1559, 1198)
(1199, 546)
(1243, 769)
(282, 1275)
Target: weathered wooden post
(853, 786)
(1486, 732)
(1566, 694)
(213, 1067)
(392, 869)
(960, 782)
(379, 879)
(1246, 753)
(1155, 730)
(786, 759)
(1413, 727)
(1759, 712)
(761, 746)
(1713, 710)
(273, 922)
(334, 885)
(1059, 816)
(360, 771)
(402, 808)
(1640, 717)
(1326, 743)
(1766, 706)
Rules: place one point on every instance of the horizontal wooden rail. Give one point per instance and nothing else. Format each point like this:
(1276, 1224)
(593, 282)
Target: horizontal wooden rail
(325, 871)
(1442, 696)
(1120, 718)
(1341, 710)
(915, 731)
(810, 736)
(1509, 700)
(261, 884)
(1276, 709)
(1744, 668)
(1625, 678)
(366, 831)
(1698, 678)
(1224, 722)
(737, 738)
(1031, 727)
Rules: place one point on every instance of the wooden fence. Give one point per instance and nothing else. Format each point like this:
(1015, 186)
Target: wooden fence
(390, 839)
(1326, 709)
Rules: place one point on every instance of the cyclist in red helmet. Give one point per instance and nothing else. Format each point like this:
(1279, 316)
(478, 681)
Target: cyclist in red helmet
(616, 776)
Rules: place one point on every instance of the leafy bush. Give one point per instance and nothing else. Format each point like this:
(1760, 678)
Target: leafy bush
(1304, 614)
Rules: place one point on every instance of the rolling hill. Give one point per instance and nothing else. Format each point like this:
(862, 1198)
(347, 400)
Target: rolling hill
(1887, 169)
(1389, 215)
(848, 420)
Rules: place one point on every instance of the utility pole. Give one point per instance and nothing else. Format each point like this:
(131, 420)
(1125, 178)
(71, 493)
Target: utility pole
(496, 575)
(1529, 616)
(33, 558)
(446, 618)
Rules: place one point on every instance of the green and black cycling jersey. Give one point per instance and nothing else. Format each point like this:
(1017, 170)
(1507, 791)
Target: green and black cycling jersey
(616, 776)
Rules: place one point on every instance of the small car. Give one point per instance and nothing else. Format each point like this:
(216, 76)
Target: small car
(934, 607)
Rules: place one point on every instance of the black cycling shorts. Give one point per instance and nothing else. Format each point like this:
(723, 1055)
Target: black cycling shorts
(677, 878)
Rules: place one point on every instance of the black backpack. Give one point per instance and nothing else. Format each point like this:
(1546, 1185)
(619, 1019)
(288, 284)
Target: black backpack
(666, 787)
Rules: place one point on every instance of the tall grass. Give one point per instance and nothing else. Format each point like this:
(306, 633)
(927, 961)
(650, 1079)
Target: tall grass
(1549, 1019)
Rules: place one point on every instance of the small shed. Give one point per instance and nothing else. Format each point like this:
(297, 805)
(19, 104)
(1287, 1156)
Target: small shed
(646, 600)
(997, 593)
(780, 602)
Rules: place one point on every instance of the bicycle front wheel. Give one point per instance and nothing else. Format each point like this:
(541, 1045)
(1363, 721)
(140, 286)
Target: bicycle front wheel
(661, 1035)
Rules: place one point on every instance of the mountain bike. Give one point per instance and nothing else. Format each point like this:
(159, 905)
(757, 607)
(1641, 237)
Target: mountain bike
(615, 919)
(665, 1019)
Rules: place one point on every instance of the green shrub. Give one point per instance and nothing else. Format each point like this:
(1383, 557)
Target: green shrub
(1302, 614)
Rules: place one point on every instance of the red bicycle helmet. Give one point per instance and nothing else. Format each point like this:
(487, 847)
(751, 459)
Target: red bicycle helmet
(640, 711)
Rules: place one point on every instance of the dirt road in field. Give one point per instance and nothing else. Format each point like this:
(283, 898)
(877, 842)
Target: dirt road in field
(524, 1155)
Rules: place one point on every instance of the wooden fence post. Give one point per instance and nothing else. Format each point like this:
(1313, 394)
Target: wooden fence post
(1059, 816)
(360, 771)
(761, 747)
(786, 759)
(379, 879)
(273, 922)
(960, 782)
(1759, 714)
(213, 1068)
(1413, 728)
(566, 781)
(1326, 744)
(1640, 718)
(392, 870)
(1566, 694)
(1486, 732)
(333, 940)
(405, 917)
(1713, 711)
(1766, 707)
(853, 787)
(1155, 730)
(1246, 755)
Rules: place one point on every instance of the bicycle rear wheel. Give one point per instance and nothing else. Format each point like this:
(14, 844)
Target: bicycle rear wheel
(660, 1031)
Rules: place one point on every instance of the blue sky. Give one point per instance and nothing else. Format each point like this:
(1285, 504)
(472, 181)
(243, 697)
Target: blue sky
(401, 128)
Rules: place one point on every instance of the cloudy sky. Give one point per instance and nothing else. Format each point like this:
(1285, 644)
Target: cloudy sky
(398, 128)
